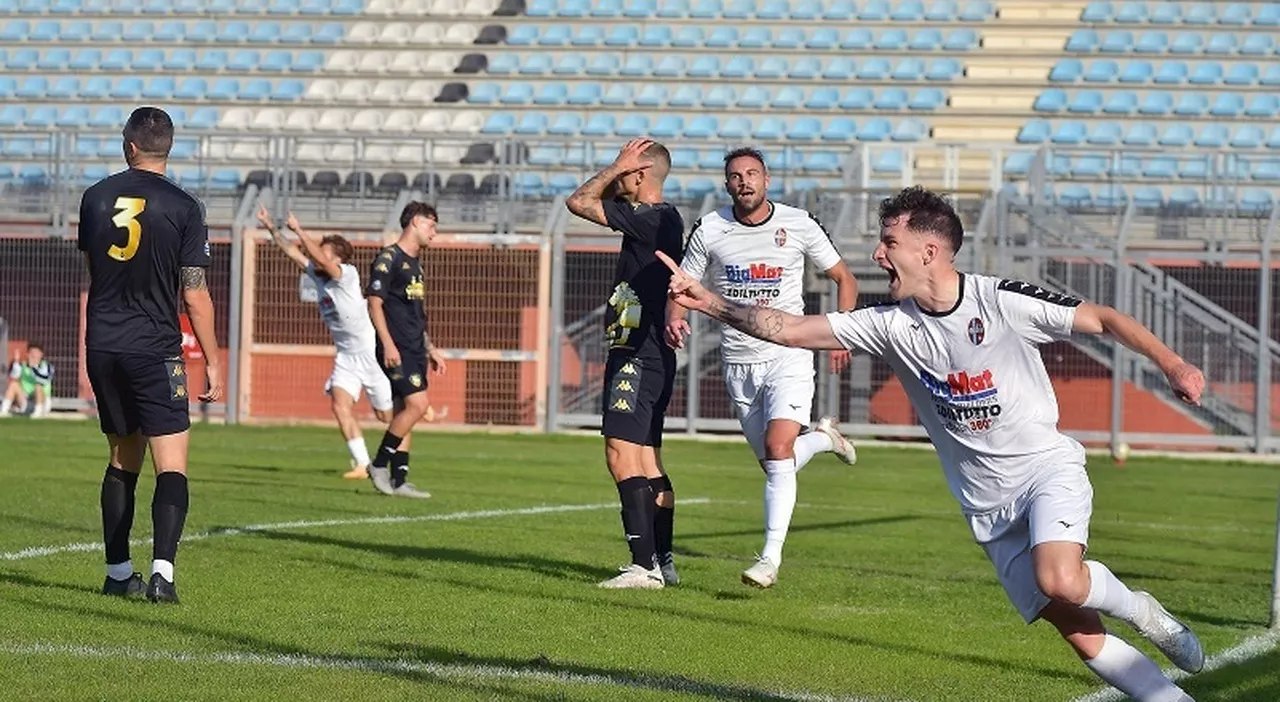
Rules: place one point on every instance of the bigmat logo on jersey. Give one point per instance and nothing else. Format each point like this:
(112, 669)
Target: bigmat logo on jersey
(967, 402)
(758, 281)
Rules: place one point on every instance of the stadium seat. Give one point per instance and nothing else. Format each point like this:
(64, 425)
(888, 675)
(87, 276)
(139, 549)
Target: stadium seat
(127, 88)
(770, 129)
(804, 129)
(1156, 104)
(54, 59)
(1206, 73)
(1227, 105)
(79, 30)
(1104, 134)
(976, 11)
(243, 61)
(22, 59)
(688, 36)
(858, 39)
(1212, 136)
(1255, 200)
(1136, 72)
(328, 33)
(706, 9)
(1098, 72)
(891, 40)
(755, 97)
(41, 117)
(701, 127)
(1034, 132)
(667, 127)
(1120, 104)
(1268, 15)
(1069, 133)
(212, 60)
(32, 87)
(617, 95)
(943, 69)
(789, 38)
(875, 130)
(1191, 105)
(874, 69)
(840, 68)
(1151, 43)
(583, 94)
(909, 130)
(737, 67)
(721, 37)
(600, 124)
(1271, 75)
(1177, 135)
(255, 90)
(857, 98)
(1089, 166)
(1171, 73)
(276, 62)
(536, 64)
(1052, 100)
(159, 88)
(1140, 134)
(44, 31)
(223, 89)
(961, 40)
(1241, 74)
(1263, 105)
(1068, 71)
(736, 127)
(685, 96)
(908, 69)
(789, 97)
(823, 39)
(95, 88)
(1116, 42)
(594, 35)
(555, 35)
(63, 88)
(85, 59)
(640, 9)
(1247, 136)
(517, 94)
(772, 67)
(840, 129)
(1086, 102)
(1187, 43)
(822, 98)
(179, 60)
(891, 99)
(604, 64)
(704, 66)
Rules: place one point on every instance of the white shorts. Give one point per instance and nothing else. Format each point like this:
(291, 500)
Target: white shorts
(356, 371)
(781, 388)
(1055, 507)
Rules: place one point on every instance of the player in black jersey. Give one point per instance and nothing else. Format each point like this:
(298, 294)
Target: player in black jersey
(144, 240)
(396, 307)
(641, 368)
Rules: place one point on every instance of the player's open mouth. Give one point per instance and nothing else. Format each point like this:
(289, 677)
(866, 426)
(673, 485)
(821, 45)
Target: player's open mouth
(893, 276)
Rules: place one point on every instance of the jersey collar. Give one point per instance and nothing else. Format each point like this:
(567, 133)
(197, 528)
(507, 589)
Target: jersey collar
(944, 313)
(761, 223)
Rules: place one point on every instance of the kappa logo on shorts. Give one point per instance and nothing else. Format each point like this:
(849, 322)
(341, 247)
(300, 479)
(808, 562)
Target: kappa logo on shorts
(627, 369)
(625, 386)
(178, 371)
(621, 406)
(381, 268)
(180, 392)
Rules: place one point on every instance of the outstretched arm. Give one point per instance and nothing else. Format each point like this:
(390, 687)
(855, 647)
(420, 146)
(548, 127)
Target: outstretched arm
(328, 265)
(264, 218)
(800, 331)
(587, 201)
(1186, 380)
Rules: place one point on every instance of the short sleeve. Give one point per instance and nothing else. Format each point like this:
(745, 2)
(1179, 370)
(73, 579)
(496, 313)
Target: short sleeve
(15, 370)
(695, 255)
(637, 221)
(1035, 314)
(865, 330)
(380, 275)
(195, 240)
(350, 278)
(818, 247)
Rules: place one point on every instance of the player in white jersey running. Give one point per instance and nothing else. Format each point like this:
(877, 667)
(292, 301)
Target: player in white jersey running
(754, 251)
(344, 311)
(965, 348)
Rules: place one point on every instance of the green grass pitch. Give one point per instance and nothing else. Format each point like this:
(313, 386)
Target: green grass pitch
(476, 595)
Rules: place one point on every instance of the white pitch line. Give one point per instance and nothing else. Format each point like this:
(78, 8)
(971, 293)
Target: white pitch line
(1250, 648)
(464, 672)
(42, 551)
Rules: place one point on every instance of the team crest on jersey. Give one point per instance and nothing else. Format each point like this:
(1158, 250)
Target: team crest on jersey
(977, 331)
(780, 237)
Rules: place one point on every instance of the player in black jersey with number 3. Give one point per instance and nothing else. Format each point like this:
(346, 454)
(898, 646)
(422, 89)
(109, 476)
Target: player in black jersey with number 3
(144, 240)
(641, 368)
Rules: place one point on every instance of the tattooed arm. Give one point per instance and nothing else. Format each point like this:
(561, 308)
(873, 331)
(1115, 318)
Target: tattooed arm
(195, 295)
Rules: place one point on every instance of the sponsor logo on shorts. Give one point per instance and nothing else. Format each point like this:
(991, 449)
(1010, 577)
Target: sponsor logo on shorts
(966, 402)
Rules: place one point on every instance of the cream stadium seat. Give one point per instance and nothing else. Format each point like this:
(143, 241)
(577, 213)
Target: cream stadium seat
(461, 34)
(468, 122)
(333, 120)
(428, 33)
(421, 92)
(447, 154)
(342, 62)
(382, 7)
(343, 152)
(444, 8)
(236, 118)
(321, 90)
(301, 120)
(311, 152)
(406, 62)
(388, 91)
(354, 91)
(362, 33)
(379, 153)
(366, 121)
(374, 62)
(269, 119)
(408, 154)
(400, 122)
(440, 62)
(433, 122)
(395, 33)
(252, 150)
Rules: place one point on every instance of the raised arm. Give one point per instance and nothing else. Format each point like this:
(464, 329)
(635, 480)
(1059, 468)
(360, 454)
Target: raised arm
(800, 331)
(587, 201)
(327, 264)
(264, 218)
(1186, 380)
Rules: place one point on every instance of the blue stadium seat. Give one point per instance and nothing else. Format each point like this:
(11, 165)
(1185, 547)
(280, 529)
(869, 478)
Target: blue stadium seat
(593, 35)
(517, 94)
(617, 95)
(1089, 166)
(15, 31)
(522, 35)
(822, 98)
(265, 33)
(54, 59)
(857, 98)
(170, 31)
(823, 39)
(701, 127)
(536, 64)
(1127, 12)
(1110, 195)
(770, 129)
(63, 7)
(295, 33)
(943, 69)
(874, 11)
(840, 129)
(274, 7)
(63, 88)
(1171, 73)
(41, 117)
(771, 67)
(44, 30)
(565, 124)
(891, 99)
(1104, 134)
(201, 118)
(1221, 44)
(96, 88)
(1263, 105)
(722, 37)
(1268, 15)
(1120, 104)
(179, 60)
(1116, 43)
(1212, 136)
(158, 88)
(1098, 72)
(1177, 135)
(788, 98)
(755, 38)
(584, 94)
(87, 147)
(1184, 196)
(667, 127)
(908, 69)
(773, 10)
(1140, 134)
(1034, 132)
(1199, 13)
(12, 115)
(605, 64)
(556, 35)
(7, 86)
(1165, 13)
(874, 69)
(651, 95)
(531, 124)
(907, 11)
(148, 60)
(1242, 74)
(1191, 105)
(1186, 43)
(499, 123)
(127, 88)
(909, 130)
(804, 129)
(233, 32)
(640, 9)
(941, 11)
(1068, 71)
(1257, 45)
(1256, 200)
(688, 36)
(891, 40)
(1018, 163)
(1206, 73)
(223, 89)
(669, 67)
(1156, 104)
(789, 38)
(858, 39)
(976, 11)
(1227, 105)
(332, 32)
(289, 90)
(184, 148)
(1151, 43)
(621, 35)
(255, 90)
(1075, 196)
(212, 60)
(1052, 100)
(840, 10)
(1148, 196)
(85, 59)
(307, 62)
(1086, 102)
(607, 8)
(738, 67)
(686, 96)
(1136, 72)
(566, 65)
(1069, 133)
(736, 127)
(738, 9)
(840, 68)
(963, 39)
(877, 129)
(1271, 75)
(75, 31)
(32, 87)
(706, 9)
(704, 66)
(540, 8)
(1267, 170)
(22, 59)
(656, 36)
(191, 88)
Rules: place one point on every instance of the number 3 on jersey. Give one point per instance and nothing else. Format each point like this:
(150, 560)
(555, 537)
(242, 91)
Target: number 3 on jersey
(127, 219)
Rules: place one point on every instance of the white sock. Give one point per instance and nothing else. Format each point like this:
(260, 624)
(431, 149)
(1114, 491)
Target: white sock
(120, 571)
(1110, 596)
(164, 568)
(5, 406)
(809, 445)
(359, 451)
(779, 503)
(1132, 673)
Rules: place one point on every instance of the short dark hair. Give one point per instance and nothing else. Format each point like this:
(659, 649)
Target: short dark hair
(660, 155)
(344, 248)
(741, 151)
(151, 130)
(926, 212)
(35, 347)
(414, 209)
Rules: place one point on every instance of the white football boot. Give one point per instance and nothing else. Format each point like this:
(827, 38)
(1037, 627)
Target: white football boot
(635, 577)
(762, 575)
(840, 446)
(1174, 639)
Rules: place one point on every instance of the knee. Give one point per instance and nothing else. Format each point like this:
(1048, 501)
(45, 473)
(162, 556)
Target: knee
(664, 493)
(1063, 582)
(341, 410)
(417, 403)
(382, 415)
(778, 449)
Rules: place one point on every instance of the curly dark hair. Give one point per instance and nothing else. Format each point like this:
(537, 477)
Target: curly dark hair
(739, 153)
(414, 209)
(926, 212)
(341, 246)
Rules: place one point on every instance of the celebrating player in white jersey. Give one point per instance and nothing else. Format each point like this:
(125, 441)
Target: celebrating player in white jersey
(344, 311)
(754, 251)
(965, 348)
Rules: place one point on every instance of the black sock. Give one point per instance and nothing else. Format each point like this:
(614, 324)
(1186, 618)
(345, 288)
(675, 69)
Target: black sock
(664, 519)
(637, 519)
(399, 468)
(168, 514)
(118, 487)
(390, 444)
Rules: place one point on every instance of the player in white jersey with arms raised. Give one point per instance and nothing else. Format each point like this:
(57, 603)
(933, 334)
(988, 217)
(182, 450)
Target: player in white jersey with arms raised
(345, 312)
(965, 348)
(754, 251)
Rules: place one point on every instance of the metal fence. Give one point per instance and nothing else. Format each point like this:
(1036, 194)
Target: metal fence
(520, 316)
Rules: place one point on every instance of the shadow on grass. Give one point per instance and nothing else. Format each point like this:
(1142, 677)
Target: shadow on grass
(1257, 680)
(1232, 622)
(24, 580)
(567, 570)
(795, 529)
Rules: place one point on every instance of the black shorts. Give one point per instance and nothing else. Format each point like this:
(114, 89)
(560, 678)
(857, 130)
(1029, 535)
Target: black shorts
(139, 393)
(637, 389)
(409, 377)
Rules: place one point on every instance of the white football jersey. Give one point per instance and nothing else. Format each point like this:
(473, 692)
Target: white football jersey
(976, 380)
(757, 263)
(343, 309)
